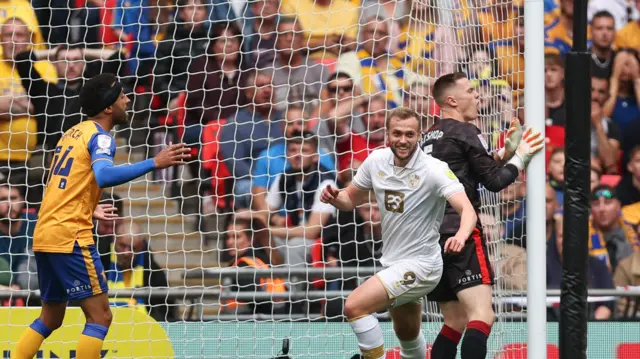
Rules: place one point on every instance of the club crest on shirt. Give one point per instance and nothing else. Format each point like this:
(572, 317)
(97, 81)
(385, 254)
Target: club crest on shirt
(381, 174)
(484, 143)
(414, 181)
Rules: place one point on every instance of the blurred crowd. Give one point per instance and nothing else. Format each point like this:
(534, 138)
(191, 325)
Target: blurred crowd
(279, 98)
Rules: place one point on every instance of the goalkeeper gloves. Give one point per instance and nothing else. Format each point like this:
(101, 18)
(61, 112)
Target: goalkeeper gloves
(514, 134)
(532, 142)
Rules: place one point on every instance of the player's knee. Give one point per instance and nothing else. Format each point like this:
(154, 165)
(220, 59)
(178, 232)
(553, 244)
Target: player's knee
(457, 322)
(485, 315)
(352, 310)
(103, 317)
(52, 322)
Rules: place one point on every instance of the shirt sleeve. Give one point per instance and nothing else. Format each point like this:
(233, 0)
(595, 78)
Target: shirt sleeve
(318, 206)
(613, 131)
(102, 147)
(491, 173)
(445, 180)
(362, 179)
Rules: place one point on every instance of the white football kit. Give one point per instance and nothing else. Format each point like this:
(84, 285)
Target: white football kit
(412, 200)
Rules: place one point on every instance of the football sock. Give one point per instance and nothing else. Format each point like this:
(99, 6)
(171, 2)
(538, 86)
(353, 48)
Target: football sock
(474, 344)
(369, 334)
(31, 340)
(446, 344)
(90, 343)
(414, 349)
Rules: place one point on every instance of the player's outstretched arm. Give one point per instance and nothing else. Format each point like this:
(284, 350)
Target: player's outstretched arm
(108, 175)
(344, 199)
(468, 219)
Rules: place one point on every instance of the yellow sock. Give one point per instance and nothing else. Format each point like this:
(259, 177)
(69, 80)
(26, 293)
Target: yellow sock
(30, 341)
(90, 343)
(88, 347)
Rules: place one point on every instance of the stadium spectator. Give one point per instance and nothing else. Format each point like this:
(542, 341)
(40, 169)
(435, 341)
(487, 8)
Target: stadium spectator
(603, 33)
(185, 41)
(272, 162)
(554, 90)
(296, 193)
(627, 275)
(133, 26)
(16, 226)
(510, 56)
(351, 239)
(622, 10)
(214, 87)
(371, 67)
(252, 130)
(605, 134)
(54, 94)
(598, 276)
(417, 96)
(24, 11)
(70, 22)
(296, 78)
(497, 20)
(397, 12)
(243, 238)
(352, 148)
(611, 238)
(340, 100)
(624, 91)
(513, 209)
(18, 128)
(559, 30)
(133, 266)
(329, 34)
(259, 30)
(629, 36)
(555, 173)
(436, 56)
(628, 189)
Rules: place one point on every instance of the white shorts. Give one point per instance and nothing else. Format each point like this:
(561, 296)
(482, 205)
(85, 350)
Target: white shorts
(410, 280)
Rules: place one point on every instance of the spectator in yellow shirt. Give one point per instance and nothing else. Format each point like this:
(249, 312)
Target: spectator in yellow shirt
(23, 10)
(18, 129)
(558, 30)
(498, 19)
(629, 36)
(332, 25)
(509, 54)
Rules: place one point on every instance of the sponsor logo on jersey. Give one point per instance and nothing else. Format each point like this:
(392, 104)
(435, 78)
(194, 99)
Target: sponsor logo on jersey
(104, 145)
(394, 201)
(469, 277)
(432, 136)
(381, 174)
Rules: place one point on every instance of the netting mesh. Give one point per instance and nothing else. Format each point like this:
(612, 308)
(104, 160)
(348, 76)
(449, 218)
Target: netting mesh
(233, 80)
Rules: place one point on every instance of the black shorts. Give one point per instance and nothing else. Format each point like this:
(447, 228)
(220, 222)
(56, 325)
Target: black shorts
(469, 268)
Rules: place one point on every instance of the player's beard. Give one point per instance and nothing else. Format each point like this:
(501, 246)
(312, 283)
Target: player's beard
(410, 152)
(120, 116)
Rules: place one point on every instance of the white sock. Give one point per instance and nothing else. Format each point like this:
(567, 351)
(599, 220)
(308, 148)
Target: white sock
(414, 349)
(370, 339)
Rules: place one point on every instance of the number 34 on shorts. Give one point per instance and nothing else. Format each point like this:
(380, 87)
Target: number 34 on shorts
(410, 280)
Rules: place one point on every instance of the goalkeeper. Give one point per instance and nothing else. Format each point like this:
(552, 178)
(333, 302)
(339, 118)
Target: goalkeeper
(69, 267)
(464, 293)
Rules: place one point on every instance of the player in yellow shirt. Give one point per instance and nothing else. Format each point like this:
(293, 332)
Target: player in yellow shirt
(69, 267)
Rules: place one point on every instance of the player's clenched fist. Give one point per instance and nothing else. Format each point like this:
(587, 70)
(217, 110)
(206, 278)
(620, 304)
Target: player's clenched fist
(329, 194)
(172, 155)
(454, 244)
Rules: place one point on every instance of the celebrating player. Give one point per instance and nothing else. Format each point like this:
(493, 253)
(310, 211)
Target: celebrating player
(464, 293)
(412, 189)
(68, 264)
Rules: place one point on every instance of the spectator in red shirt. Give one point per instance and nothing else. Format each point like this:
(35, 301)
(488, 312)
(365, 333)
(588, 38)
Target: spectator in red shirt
(353, 147)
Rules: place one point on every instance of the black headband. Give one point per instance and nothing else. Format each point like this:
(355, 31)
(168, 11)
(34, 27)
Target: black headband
(104, 100)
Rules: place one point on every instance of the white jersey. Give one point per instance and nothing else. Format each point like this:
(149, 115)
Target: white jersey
(412, 200)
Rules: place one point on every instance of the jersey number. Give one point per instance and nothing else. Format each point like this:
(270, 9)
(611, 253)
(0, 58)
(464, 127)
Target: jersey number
(61, 166)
